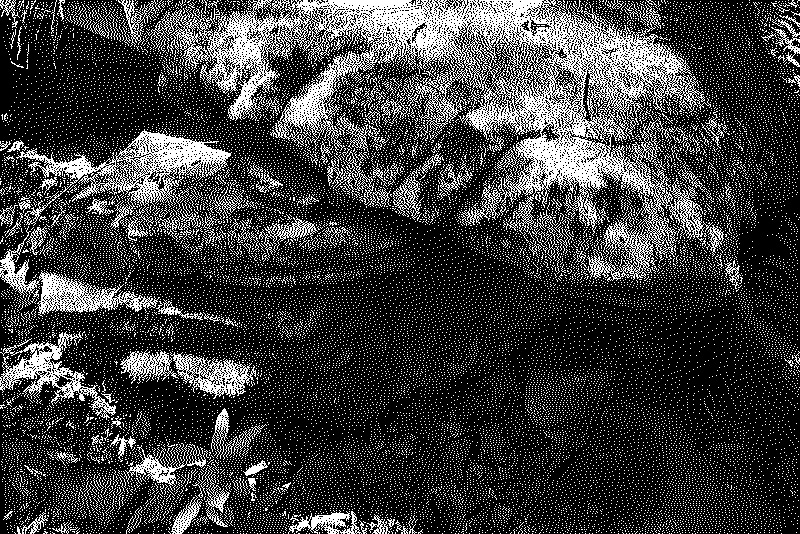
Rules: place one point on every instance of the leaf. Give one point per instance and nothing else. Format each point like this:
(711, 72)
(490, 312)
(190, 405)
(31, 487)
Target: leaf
(38, 524)
(180, 454)
(220, 431)
(215, 496)
(162, 500)
(187, 515)
(37, 239)
(135, 521)
(239, 504)
(238, 447)
(255, 469)
(12, 274)
(214, 516)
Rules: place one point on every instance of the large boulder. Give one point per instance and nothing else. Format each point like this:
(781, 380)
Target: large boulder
(568, 141)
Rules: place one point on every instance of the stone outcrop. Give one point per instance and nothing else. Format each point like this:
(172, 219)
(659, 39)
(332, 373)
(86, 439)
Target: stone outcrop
(566, 141)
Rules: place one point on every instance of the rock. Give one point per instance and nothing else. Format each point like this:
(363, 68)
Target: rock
(586, 184)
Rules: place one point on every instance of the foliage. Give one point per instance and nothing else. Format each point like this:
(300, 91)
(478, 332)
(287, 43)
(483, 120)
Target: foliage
(45, 401)
(31, 191)
(221, 489)
(62, 420)
(42, 398)
(22, 12)
(33, 201)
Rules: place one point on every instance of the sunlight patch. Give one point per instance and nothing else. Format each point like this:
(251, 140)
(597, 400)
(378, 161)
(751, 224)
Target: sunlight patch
(215, 377)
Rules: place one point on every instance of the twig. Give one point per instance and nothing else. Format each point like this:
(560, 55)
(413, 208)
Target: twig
(18, 346)
(531, 26)
(586, 97)
(417, 30)
(127, 281)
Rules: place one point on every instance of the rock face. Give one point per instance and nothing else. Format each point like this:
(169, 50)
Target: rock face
(580, 160)
(566, 140)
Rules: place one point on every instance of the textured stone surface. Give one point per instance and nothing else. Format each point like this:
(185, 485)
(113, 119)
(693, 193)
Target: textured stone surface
(583, 150)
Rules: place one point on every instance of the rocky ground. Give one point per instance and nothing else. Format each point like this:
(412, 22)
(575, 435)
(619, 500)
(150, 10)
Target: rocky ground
(447, 264)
